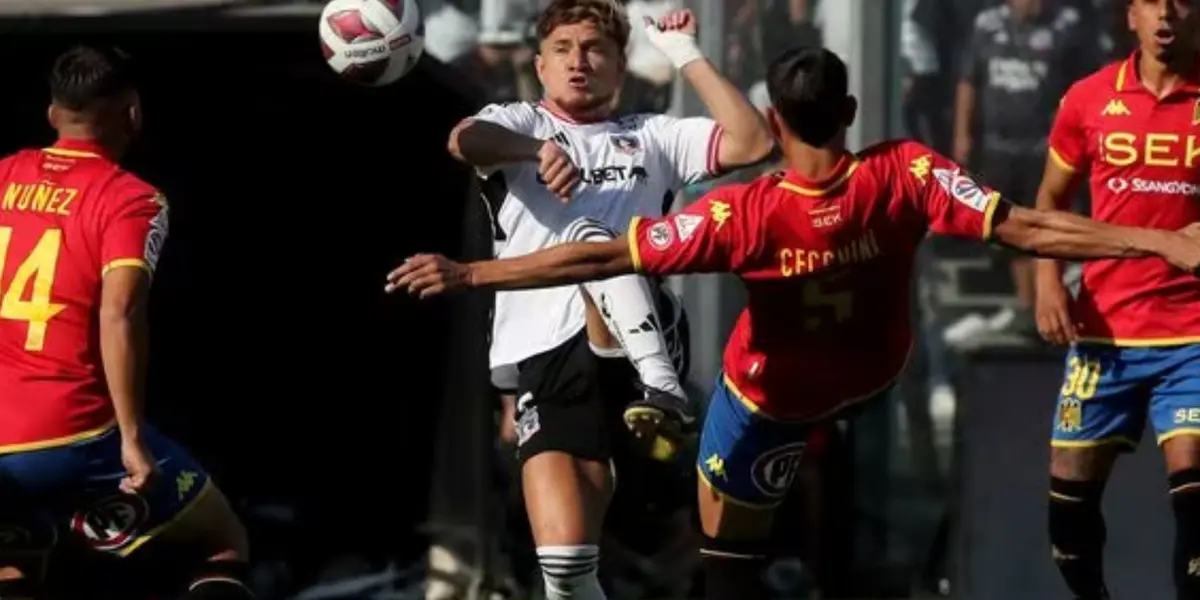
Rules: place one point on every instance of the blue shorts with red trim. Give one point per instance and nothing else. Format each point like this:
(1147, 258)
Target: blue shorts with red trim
(746, 456)
(1109, 392)
(72, 490)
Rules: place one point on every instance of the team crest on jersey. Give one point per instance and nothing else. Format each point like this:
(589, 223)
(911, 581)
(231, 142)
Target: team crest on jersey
(660, 235)
(962, 188)
(111, 523)
(774, 470)
(625, 144)
(685, 225)
(1070, 415)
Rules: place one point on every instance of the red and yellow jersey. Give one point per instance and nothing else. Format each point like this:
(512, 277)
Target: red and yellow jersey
(1143, 153)
(827, 265)
(68, 215)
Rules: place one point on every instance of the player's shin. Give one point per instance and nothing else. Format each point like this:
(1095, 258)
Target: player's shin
(569, 572)
(1077, 534)
(733, 570)
(1185, 500)
(627, 305)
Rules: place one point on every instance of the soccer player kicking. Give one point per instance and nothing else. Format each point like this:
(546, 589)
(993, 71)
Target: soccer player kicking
(825, 250)
(561, 159)
(1134, 328)
(79, 239)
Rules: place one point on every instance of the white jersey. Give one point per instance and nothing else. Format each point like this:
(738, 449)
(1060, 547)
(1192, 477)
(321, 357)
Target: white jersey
(631, 166)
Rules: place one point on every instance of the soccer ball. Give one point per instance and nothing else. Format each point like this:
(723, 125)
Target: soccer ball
(371, 42)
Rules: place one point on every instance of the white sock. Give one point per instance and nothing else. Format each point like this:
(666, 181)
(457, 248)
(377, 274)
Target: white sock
(569, 572)
(627, 305)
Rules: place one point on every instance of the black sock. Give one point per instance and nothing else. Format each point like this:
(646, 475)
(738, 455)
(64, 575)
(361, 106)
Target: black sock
(1185, 500)
(733, 571)
(1077, 535)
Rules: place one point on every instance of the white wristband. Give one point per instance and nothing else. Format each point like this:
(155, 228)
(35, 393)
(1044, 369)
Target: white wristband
(680, 48)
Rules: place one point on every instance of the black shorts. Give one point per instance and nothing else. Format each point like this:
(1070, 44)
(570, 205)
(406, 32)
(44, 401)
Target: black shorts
(1015, 175)
(570, 400)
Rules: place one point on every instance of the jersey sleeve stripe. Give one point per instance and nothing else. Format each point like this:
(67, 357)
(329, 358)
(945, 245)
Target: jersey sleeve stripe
(632, 235)
(989, 213)
(714, 150)
(122, 263)
(1060, 161)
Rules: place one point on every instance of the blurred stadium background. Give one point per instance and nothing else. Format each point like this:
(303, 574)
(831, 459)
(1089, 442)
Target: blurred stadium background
(359, 434)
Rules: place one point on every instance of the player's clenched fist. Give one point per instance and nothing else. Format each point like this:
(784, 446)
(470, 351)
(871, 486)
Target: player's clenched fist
(141, 470)
(556, 170)
(675, 36)
(1054, 313)
(426, 275)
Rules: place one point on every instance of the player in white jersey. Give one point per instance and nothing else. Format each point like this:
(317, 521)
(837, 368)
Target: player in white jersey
(566, 158)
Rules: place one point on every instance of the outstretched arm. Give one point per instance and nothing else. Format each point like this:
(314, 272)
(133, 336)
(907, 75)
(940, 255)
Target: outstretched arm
(431, 274)
(1063, 235)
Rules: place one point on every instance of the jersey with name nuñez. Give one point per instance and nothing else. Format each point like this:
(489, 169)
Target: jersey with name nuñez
(68, 216)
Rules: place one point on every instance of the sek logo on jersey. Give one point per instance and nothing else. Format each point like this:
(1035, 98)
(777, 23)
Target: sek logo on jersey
(962, 188)
(1138, 185)
(773, 471)
(660, 235)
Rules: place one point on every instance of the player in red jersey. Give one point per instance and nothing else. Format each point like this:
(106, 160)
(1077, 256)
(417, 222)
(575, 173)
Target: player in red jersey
(1134, 328)
(79, 240)
(825, 250)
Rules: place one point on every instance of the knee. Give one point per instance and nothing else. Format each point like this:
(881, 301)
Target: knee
(569, 572)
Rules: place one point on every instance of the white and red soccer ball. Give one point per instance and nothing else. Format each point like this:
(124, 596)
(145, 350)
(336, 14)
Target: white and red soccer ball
(371, 42)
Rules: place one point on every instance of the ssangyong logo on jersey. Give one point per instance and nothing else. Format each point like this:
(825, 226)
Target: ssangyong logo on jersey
(1138, 185)
(660, 235)
(774, 470)
(962, 188)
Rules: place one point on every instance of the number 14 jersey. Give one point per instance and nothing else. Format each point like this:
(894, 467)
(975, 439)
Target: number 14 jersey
(827, 267)
(68, 215)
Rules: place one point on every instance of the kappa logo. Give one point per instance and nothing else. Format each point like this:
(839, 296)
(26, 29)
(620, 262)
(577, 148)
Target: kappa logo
(920, 166)
(1115, 108)
(685, 225)
(720, 212)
